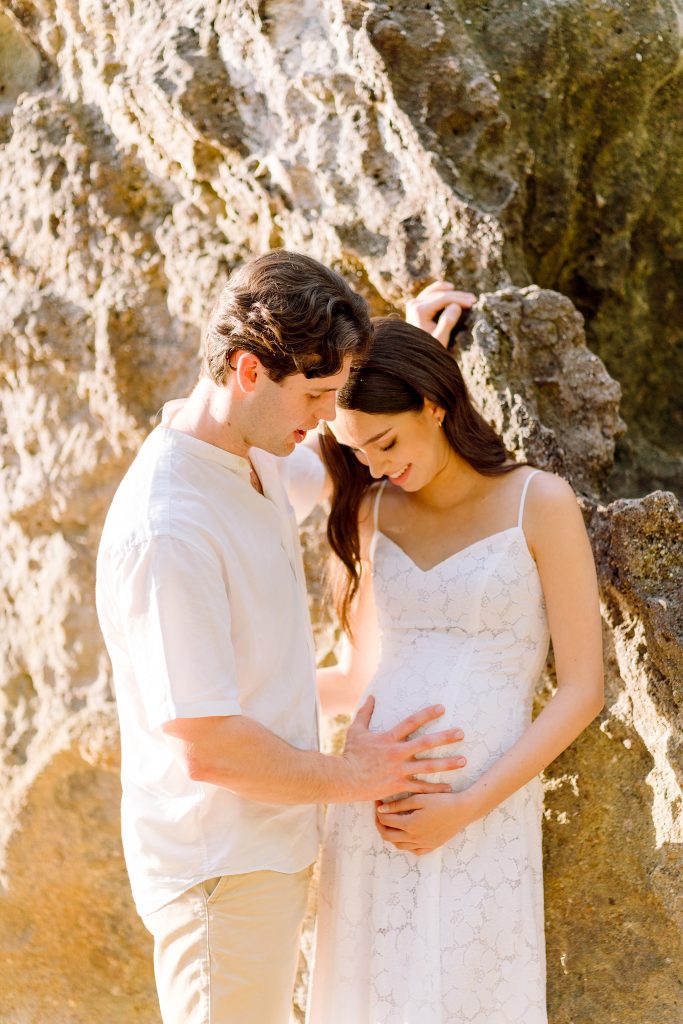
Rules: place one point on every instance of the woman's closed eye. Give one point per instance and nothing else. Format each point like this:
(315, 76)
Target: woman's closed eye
(386, 448)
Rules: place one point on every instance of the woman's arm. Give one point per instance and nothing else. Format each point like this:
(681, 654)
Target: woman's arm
(439, 297)
(341, 685)
(558, 541)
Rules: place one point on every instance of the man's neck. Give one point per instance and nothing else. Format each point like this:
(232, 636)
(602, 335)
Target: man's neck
(209, 414)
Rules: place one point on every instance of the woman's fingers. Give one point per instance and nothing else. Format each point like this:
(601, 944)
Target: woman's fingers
(406, 803)
(447, 321)
(396, 828)
(400, 839)
(439, 297)
(395, 819)
(422, 786)
(435, 286)
(425, 307)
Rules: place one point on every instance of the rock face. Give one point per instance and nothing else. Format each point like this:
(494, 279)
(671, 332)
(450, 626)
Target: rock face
(530, 152)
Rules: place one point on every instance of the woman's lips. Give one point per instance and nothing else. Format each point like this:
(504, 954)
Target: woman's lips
(402, 476)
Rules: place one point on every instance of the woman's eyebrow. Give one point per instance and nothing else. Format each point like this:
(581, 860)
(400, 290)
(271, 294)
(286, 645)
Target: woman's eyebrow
(371, 440)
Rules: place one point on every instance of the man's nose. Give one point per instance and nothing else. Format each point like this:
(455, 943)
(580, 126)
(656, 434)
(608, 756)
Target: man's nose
(327, 409)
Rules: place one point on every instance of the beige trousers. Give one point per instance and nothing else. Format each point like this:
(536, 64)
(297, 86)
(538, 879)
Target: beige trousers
(225, 951)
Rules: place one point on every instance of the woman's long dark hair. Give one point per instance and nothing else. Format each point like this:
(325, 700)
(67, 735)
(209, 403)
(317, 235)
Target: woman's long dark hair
(404, 367)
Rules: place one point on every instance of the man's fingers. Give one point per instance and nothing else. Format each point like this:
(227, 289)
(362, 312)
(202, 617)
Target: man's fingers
(429, 740)
(429, 766)
(364, 713)
(418, 718)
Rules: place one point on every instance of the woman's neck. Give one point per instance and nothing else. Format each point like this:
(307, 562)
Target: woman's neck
(456, 482)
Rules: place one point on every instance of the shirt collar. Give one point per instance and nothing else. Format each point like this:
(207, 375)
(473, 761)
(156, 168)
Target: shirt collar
(237, 464)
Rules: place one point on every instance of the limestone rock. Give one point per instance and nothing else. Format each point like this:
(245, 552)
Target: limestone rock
(144, 151)
(614, 831)
(527, 366)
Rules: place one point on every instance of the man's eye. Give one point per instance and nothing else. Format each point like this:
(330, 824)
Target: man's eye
(390, 445)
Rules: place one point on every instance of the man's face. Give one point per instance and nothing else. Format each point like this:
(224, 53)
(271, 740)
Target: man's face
(281, 414)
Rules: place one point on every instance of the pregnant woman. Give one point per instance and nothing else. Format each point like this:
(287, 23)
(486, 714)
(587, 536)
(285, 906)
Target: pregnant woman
(455, 570)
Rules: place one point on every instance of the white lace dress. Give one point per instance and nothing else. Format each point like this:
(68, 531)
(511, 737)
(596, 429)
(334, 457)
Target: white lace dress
(455, 936)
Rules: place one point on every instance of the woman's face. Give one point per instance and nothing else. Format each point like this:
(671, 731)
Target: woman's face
(409, 448)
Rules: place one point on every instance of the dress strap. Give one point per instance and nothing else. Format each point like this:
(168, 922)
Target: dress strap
(375, 518)
(522, 500)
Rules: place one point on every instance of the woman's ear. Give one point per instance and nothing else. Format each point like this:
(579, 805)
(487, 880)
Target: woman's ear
(434, 411)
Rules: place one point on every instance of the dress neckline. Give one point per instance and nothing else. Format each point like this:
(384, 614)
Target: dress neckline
(460, 551)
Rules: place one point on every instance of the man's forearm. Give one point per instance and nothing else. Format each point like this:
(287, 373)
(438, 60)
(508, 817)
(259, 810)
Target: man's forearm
(244, 756)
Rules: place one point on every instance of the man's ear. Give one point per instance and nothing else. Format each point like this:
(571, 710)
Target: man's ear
(247, 368)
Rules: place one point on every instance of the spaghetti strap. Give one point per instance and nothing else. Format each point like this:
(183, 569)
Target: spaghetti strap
(522, 500)
(375, 518)
(375, 505)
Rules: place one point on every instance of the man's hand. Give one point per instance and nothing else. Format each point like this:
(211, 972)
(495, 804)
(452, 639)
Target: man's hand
(422, 823)
(380, 763)
(440, 296)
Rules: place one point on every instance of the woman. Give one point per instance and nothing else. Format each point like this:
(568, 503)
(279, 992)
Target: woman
(456, 568)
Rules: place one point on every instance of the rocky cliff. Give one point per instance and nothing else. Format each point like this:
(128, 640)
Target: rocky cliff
(533, 153)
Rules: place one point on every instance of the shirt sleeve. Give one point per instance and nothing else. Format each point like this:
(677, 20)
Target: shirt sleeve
(174, 610)
(303, 476)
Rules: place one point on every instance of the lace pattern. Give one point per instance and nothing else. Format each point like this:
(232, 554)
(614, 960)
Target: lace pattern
(456, 936)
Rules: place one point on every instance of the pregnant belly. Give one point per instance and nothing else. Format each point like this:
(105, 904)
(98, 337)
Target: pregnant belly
(491, 705)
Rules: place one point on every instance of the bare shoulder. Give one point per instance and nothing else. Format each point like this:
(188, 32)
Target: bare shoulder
(549, 493)
(552, 518)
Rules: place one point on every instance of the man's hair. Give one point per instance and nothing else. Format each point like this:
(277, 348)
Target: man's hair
(294, 314)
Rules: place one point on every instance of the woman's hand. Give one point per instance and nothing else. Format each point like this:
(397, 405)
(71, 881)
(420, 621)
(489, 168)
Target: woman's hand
(440, 296)
(423, 822)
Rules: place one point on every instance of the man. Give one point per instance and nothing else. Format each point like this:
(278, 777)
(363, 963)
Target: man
(201, 599)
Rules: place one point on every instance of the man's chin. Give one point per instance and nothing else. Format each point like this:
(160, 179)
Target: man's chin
(279, 448)
(284, 447)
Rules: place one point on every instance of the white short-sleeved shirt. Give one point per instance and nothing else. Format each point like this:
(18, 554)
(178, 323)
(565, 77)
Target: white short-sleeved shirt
(202, 603)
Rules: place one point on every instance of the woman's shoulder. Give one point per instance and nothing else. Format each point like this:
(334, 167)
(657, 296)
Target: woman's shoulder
(552, 516)
(547, 490)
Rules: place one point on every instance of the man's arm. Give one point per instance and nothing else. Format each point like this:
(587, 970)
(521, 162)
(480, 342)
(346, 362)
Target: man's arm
(239, 754)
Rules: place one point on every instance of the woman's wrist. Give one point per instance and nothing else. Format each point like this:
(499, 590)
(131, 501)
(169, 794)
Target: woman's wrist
(471, 802)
